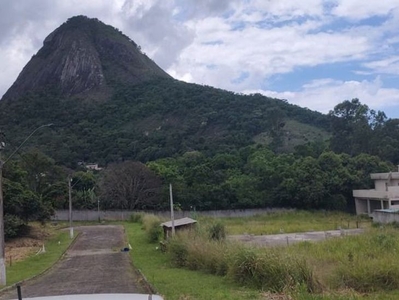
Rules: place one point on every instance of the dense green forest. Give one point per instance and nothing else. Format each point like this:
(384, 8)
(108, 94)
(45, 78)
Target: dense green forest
(159, 119)
(252, 177)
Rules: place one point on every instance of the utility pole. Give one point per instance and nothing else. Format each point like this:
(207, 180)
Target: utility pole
(70, 207)
(2, 252)
(172, 214)
(98, 210)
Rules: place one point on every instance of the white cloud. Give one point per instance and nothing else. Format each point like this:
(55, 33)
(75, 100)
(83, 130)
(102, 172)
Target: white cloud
(360, 9)
(387, 66)
(261, 52)
(289, 8)
(323, 94)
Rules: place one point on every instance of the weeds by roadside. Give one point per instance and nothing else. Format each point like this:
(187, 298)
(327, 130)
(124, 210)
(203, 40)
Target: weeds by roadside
(265, 269)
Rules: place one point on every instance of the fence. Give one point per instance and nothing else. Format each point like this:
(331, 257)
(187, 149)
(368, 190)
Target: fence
(120, 215)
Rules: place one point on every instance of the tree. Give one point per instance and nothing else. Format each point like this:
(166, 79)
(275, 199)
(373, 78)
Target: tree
(39, 168)
(355, 128)
(20, 203)
(129, 185)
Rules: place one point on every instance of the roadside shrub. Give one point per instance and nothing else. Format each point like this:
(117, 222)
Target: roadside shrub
(148, 220)
(155, 232)
(206, 255)
(369, 276)
(269, 270)
(217, 231)
(195, 251)
(136, 218)
(151, 225)
(178, 252)
(13, 226)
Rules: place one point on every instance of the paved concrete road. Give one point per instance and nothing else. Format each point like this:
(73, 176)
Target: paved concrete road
(290, 238)
(94, 264)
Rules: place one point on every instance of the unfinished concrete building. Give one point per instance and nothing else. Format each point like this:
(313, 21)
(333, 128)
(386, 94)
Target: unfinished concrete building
(385, 194)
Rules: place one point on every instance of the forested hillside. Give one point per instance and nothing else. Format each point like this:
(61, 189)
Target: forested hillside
(155, 120)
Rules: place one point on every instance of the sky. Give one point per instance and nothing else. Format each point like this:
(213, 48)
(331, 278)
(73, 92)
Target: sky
(313, 53)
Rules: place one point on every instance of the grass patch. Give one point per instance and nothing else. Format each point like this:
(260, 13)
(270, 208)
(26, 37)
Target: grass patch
(262, 269)
(363, 263)
(350, 267)
(292, 221)
(36, 264)
(176, 283)
(152, 226)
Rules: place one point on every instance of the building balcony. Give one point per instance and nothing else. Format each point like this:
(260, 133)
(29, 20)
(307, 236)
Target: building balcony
(370, 194)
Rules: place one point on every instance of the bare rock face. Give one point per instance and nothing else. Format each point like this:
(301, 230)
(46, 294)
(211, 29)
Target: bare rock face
(81, 56)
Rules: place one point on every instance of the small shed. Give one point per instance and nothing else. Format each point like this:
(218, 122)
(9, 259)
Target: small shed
(180, 224)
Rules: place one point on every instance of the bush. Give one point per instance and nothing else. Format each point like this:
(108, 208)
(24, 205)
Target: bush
(151, 225)
(369, 276)
(154, 233)
(270, 270)
(217, 231)
(149, 219)
(196, 252)
(136, 218)
(177, 249)
(209, 256)
(13, 226)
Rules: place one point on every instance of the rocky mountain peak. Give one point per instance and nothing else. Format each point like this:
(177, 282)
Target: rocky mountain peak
(84, 55)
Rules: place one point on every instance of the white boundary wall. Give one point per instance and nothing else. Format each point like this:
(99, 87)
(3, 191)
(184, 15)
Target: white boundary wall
(385, 217)
(120, 215)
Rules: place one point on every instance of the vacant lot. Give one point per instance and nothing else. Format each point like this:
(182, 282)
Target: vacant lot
(344, 267)
(292, 221)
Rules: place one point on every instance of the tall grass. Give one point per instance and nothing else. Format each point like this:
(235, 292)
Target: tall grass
(270, 270)
(260, 268)
(217, 231)
(136, 217)
(197, 253)
(364, 263)
(151, 225)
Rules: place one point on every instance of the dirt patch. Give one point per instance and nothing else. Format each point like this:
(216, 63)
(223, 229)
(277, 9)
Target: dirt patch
(271, 296)
(290, 238)
(19, 248)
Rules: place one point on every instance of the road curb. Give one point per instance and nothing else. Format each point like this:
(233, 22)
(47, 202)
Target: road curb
(150, 288)
(10, 287)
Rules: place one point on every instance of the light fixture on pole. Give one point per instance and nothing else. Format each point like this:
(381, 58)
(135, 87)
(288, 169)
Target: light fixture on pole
(70, 207)
(3, 280)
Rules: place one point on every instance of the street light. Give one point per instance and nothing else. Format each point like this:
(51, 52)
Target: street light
(2, 245)
(70, 207)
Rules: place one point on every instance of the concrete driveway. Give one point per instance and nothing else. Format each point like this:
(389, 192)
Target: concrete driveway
(94, 264)
(291, 238)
